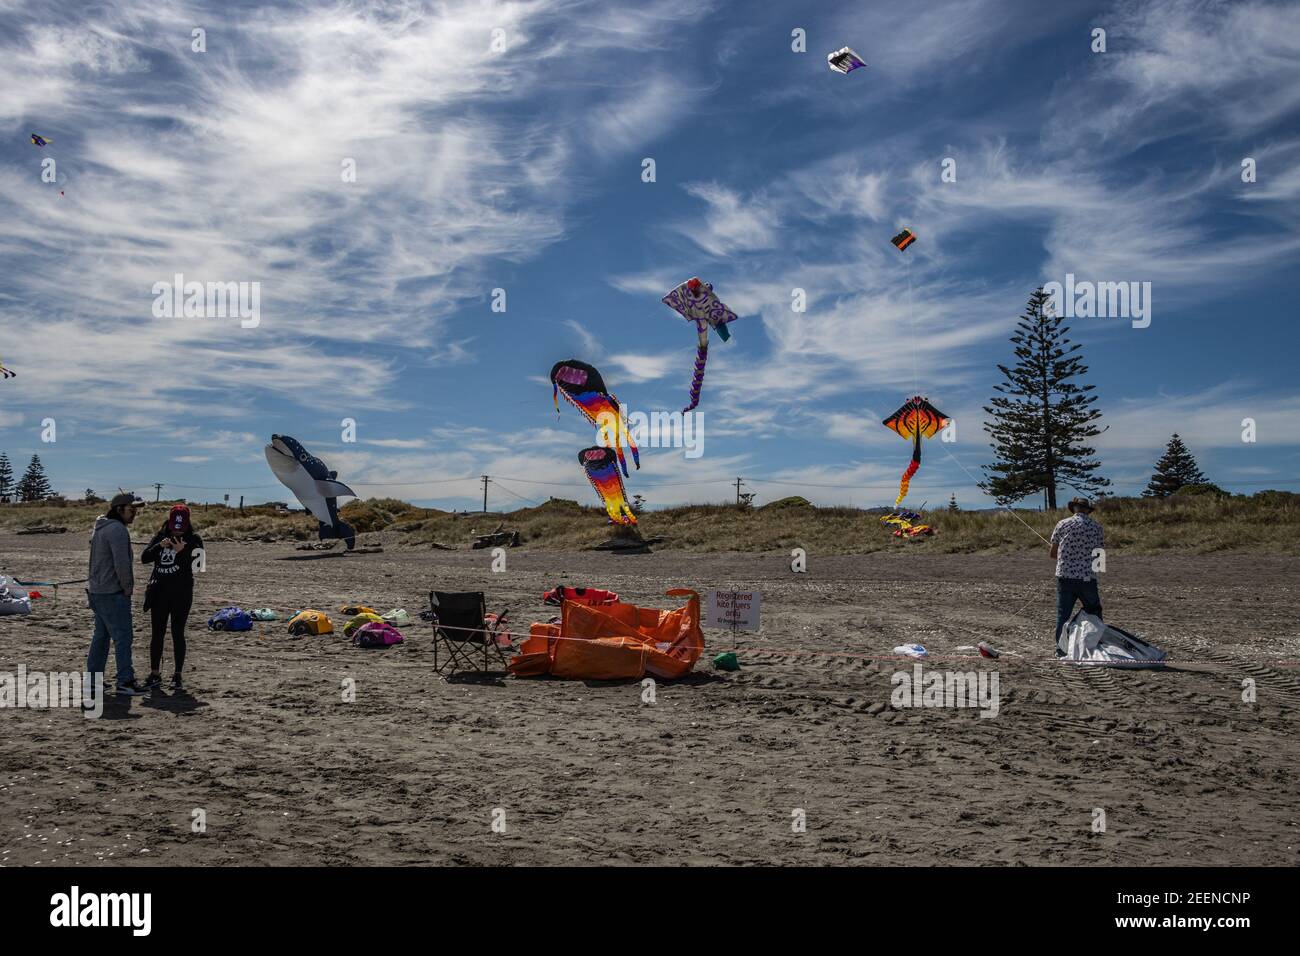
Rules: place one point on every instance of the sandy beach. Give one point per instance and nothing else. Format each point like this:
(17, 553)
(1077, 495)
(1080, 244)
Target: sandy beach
(714, 771)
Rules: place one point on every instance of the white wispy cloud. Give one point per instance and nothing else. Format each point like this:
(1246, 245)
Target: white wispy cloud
(1176, 65)
(227, 166)
(729, 223)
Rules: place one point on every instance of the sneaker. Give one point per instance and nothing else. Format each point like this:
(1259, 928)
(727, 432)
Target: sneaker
(131, 690)
(153, 681)
(177, 683)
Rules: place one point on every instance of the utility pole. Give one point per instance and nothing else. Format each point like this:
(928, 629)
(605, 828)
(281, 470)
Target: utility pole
(738, 490)
(485, 481)
(157, 490)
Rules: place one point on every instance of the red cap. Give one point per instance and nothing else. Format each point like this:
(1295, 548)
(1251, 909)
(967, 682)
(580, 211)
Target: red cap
(178, 520)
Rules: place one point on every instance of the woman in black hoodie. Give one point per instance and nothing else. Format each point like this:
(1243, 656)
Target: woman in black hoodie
(171, 588)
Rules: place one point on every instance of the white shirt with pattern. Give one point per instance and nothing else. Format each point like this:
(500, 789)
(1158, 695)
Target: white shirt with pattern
(1076, 538)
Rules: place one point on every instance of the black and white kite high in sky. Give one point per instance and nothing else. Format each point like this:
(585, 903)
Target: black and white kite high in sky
(844, 60)
(313, 484)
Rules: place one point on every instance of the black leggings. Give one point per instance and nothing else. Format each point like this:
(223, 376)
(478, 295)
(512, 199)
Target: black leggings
(178, 609)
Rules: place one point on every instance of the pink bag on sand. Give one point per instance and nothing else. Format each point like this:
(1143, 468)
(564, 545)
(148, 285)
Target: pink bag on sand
(377, 634)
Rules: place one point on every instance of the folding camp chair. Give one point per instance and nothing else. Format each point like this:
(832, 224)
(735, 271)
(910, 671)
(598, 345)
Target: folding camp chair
(460, 625)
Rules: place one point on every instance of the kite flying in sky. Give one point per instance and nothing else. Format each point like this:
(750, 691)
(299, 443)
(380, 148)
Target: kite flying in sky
(313, 484)
(917, 419)
(39, 140)
(844, 60)
(602, 471)
(694, 301)
(585, 390)
(6, 373)
(904, 239)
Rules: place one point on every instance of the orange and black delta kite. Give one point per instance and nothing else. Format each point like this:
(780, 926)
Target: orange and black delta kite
(904, 239)
(917, 419)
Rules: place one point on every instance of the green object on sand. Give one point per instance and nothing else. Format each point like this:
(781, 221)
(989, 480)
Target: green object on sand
(726, 662)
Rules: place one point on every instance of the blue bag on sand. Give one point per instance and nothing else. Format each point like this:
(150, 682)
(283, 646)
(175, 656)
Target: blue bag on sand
(231, 619)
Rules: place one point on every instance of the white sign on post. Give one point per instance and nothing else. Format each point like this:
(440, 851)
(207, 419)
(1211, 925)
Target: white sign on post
(734, 610)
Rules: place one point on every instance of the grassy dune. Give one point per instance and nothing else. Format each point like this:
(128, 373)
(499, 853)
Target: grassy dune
(1265, 522)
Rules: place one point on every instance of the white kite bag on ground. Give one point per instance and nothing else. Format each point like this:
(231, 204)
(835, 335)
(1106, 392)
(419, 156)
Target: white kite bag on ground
(1087, 639)
(13, 597)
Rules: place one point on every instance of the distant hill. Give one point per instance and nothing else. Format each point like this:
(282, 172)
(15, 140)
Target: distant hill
(1268, 521)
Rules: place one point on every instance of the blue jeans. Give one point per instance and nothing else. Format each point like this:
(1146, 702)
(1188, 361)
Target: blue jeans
(112, 620)
(1069, 590)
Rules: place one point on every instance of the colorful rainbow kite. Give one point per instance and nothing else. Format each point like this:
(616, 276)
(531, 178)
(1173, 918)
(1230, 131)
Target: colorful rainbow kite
(601, 466)
(585, 390)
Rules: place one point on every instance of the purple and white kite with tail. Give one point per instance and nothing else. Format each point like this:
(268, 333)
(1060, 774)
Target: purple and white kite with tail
(694, 301)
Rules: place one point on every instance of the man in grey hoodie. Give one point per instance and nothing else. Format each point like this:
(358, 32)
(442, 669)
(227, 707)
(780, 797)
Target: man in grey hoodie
(109, 588)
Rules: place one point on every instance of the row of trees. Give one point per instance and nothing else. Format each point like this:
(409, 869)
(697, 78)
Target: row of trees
(33, 486)
(1042, 421)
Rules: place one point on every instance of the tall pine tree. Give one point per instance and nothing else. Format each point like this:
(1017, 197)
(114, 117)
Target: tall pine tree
(6, 478)
(34, 485)
(1175, 468)
(1042, 418)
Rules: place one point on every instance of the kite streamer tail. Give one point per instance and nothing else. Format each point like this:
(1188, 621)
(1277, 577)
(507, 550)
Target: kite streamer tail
(615, 440)
(697, 381)
(636, 455)
(620, 513)
(555, 397)
(905, 481)
(911, 469)
(613, 496)
(623, 433)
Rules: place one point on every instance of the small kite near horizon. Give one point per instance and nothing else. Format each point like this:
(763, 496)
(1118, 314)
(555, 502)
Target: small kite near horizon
(39, 140)
(844, 60)
(904, 239)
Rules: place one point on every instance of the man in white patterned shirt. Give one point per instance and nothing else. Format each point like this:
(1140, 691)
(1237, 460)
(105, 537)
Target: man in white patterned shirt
(1075, 543)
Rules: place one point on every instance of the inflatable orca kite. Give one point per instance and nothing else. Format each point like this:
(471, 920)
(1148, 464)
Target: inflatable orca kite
(313, 484)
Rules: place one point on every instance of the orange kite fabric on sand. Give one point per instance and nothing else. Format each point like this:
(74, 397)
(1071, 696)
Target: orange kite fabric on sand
(614, 642)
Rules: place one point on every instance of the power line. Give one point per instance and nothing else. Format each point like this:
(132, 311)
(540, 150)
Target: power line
(651, 483)
(519, 496)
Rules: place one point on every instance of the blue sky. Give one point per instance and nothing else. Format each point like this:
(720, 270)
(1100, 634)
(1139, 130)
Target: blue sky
(521, 169)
